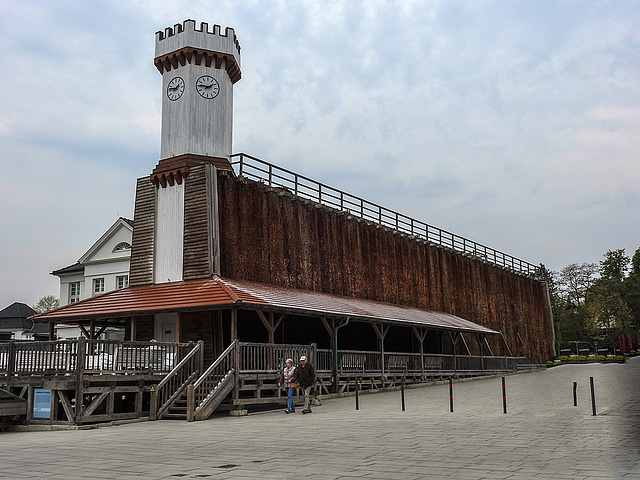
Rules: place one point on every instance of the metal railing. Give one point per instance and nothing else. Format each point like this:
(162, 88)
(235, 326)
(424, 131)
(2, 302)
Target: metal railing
(255, 169)
(428, 364)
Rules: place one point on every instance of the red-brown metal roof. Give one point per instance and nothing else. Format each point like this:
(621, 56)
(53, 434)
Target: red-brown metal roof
(216, 293)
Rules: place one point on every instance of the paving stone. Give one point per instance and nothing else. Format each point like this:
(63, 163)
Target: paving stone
(542, 436)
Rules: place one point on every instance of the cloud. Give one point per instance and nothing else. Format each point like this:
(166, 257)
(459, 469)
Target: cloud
(514, 124)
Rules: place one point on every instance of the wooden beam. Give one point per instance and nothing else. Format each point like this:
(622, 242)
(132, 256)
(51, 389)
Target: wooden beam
(465, 344)
(381, 331)
(505, 344)
(101, 331)
(84, 330)
(95, 404)
(486, 342)
(66, 404)
(420, 334)
(327, 327)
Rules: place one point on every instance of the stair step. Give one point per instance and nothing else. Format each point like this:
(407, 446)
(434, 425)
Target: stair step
(174, 416)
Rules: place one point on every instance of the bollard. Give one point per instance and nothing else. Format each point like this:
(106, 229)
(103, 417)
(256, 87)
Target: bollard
(357, 398)
(593, 397)
(451, 394)
(504, 396)
(402, 392)
(575, 394)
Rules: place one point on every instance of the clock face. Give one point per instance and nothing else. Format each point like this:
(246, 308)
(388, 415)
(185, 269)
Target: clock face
(208, 87)
(175, 89)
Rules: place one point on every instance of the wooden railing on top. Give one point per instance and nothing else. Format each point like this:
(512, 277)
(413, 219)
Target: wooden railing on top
(304, 187)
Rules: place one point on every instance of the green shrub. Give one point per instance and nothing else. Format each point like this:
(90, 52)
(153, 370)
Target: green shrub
(581, 358)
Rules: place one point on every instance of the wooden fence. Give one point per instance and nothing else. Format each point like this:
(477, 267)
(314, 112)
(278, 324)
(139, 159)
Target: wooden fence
(63, 357)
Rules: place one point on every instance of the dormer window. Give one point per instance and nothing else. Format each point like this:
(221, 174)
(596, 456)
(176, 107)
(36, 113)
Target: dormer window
(122, 246)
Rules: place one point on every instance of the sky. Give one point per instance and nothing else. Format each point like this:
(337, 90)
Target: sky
(515, 124)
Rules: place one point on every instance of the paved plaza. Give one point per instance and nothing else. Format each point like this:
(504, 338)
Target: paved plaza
(542, 436)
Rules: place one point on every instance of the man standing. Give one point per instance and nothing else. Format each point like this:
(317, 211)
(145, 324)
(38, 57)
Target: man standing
(307, 378)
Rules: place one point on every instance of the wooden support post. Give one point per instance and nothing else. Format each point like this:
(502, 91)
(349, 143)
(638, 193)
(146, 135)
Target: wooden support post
(132, 336)
(92, 336)
(381, 333)
(52, 331)
(236, 353)
(454, 340)
(420, 336)
(80, 363)
(178, 327)
(219, 334)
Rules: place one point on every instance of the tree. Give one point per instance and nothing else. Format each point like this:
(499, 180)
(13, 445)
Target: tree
(574, 282)
(46, 303)
(631, 290)
(614, 266)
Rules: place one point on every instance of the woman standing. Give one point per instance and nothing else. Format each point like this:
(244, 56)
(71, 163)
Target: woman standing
(290, 379)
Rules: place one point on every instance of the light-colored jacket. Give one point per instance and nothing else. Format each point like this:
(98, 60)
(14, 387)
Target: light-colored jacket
(288, 376)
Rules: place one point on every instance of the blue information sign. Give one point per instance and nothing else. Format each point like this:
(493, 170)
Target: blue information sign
(41, 403)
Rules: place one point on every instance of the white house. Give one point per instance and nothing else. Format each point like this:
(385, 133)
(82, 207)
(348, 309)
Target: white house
(104, 267)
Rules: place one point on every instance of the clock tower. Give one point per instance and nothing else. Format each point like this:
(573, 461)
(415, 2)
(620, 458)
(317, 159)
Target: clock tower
(176, 218)
(199, 68)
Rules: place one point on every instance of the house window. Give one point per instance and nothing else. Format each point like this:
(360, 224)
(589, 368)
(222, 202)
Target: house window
(122, 281)
(98, 285)
(122, 246)
(74, 292)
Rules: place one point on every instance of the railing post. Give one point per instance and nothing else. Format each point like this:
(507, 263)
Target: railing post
(191, 403)
(153, 403)
(236, 369)
(11, 359)
(80, 364)
(200, 357)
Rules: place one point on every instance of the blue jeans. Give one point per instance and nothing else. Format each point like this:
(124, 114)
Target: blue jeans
(290, 405)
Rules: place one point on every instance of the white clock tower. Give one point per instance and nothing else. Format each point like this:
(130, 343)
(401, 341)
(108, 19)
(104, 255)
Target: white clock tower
(176, 218)
(199, 68)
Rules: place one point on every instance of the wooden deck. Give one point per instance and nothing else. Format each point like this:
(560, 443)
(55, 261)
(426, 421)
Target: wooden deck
(96, 381)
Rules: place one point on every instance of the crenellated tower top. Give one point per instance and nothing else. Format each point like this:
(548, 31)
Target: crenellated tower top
(185, 43)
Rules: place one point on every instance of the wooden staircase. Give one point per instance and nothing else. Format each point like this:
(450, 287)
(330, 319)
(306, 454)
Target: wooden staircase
(183, 395)
(178, 409)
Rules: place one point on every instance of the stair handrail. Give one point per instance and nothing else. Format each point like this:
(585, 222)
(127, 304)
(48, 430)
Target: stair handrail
(172, 386)
(199, 392)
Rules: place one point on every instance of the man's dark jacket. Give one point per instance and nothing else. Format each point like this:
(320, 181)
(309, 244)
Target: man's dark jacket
(306, 375)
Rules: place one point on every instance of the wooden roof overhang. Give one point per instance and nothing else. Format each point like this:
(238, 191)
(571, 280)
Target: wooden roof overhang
(217, 293)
